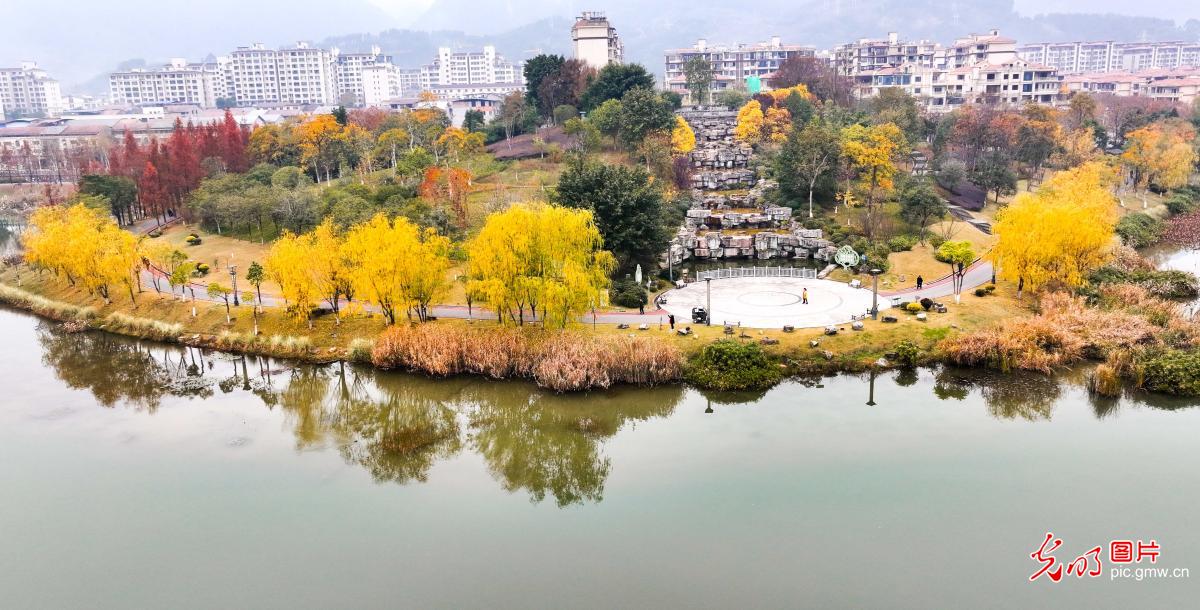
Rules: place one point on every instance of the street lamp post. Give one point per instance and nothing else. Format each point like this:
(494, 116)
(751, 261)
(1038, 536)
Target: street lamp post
(708, 303)
(233, 277)
(875, 293)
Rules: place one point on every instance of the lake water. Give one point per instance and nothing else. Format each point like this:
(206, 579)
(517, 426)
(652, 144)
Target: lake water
(137, 475)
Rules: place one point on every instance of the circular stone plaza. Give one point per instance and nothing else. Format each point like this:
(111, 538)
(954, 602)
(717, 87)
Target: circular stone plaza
(771, 302)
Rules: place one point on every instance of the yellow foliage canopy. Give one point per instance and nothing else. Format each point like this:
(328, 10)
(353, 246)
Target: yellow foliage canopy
(750, 120)
(1161, 154)
(1060, 233)
(85, 246)
(539, 258)
(398, 266)
(683, 139)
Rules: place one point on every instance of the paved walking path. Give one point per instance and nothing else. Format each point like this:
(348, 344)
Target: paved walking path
(761, 303)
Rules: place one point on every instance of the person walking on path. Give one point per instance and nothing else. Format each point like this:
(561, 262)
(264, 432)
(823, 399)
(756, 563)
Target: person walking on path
(804, 297)
(642, 309)
(671, 320)
(920, 282)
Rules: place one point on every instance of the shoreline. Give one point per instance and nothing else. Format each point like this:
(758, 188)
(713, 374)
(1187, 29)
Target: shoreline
(858, 351)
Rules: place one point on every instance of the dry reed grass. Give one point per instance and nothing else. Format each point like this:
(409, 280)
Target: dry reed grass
(1067, 330)
(566, 361)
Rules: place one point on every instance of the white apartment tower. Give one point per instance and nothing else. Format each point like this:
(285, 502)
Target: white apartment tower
(596, 41)
(1108, 56)
(484, 67)
(356, 72)
(29, 91)
(178, 82)
(296, 75)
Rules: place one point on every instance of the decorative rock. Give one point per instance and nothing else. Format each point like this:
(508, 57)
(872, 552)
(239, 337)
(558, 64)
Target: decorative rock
(921, 317)
(831, 330)
(882, 362)
(814, 343)
(768, 341)
(827, 354)
(856, 325)
(889, 319)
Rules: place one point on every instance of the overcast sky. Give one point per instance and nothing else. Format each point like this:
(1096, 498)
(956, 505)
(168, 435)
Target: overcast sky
(1179, 10)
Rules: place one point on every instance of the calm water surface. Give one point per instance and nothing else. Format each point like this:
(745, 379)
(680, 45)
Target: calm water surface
(136, 475)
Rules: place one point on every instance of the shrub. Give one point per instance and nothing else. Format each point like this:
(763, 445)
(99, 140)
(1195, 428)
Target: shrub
(981, 292)
(926, 303)
(1139, 229)
(627, 293)
(202, 269)
(1173, 285)
(902, 243)
(935, 241)
(907, 353)
(731, 365)
(913, 307)
(193, 240)
(1181, 203)
(1173, 372)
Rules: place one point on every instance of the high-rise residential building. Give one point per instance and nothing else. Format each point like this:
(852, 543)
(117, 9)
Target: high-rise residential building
(29, 91)
(292, 75)
(177, 82)
(476, 71)
(1107, 56)
(976, 69)
(732, 65)
(484, 67)
(355, 69)
(596, 41)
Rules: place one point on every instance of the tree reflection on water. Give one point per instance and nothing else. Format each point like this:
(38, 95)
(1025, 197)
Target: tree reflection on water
(398, 426)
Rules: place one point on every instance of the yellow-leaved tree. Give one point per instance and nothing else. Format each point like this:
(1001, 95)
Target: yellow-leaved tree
(683, 139)
(289, 263)
(397, 265)
(84, 246)
(328, 267)
(871, 153)
(535, 258)
(1160, 154)
(1061, 232)
(750, 120)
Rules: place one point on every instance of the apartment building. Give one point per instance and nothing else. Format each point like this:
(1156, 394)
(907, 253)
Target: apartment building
(870, 54)
(177, 82)
(732, 65)
(975, 69)
(1174, 85)
(365, 75)
(485, 67)
(595, 40)
(29, 91)
(1108, 56)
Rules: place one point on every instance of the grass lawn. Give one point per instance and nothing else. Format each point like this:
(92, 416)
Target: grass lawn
(219, 251)
(328, 340)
